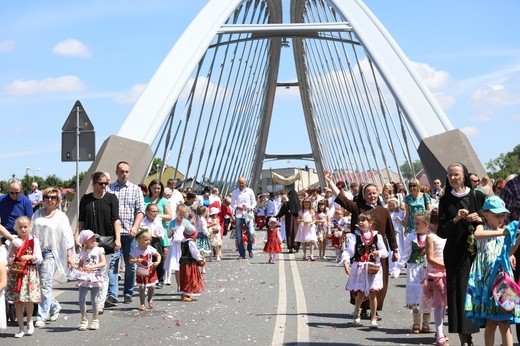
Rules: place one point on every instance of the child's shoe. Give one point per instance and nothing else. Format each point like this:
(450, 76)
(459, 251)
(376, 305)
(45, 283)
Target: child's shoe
(20, 333)
(373, 324)
(83, 325)
(94, 325)
(30, 329)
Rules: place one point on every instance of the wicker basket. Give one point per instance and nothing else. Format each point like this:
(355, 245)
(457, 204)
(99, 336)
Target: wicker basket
(16, 268)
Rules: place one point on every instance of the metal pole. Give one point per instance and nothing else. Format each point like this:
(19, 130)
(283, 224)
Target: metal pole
(77, 160)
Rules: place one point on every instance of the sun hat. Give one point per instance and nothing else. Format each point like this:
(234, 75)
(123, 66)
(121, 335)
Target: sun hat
(85, 235)
(272, 221)
(495, 205)
(213, 211)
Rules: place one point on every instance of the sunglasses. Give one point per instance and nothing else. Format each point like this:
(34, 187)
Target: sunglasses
(51, 198)
(102, 183)
(14, 192)
(412, 186)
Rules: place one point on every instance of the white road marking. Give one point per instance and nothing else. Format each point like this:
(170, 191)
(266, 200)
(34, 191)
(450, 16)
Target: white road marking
(301, 305)
(281, 313)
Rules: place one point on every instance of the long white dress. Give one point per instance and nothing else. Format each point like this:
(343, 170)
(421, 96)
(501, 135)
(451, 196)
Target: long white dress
(3, 317)
(174, 253)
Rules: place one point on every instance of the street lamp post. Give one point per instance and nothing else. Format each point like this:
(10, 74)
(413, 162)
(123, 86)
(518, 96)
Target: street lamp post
(28, 169)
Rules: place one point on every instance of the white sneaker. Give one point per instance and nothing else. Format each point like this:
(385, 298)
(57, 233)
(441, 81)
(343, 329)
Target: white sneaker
(218, 258)
(20, 333)
(39, 324)
(373, 324)
(30, 329)
(54, 316)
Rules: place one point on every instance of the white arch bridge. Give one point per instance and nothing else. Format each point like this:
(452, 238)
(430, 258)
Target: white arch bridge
(207, 110)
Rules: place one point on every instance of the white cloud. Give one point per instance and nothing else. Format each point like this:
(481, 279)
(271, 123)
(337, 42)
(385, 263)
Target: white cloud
(470, 131)
(72, 47)
(435, 80)
(130, 96)
(483, 117)
(494, 96)
(445, 101)
(63, 84)
(6, 46)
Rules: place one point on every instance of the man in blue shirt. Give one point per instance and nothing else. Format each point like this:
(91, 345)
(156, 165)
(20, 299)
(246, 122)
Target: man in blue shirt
(13, 205)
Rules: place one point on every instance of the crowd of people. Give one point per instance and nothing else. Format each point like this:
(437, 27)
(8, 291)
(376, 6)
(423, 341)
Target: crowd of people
(454, 242)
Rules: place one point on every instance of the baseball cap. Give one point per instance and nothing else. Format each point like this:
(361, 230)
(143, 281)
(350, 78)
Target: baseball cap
(85, 235)
(495, 205)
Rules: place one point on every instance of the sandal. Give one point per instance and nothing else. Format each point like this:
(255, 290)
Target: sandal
(141, 308)
(425, 328)
(151, 304)
(186, 298)
(442, 341)
(416, 328)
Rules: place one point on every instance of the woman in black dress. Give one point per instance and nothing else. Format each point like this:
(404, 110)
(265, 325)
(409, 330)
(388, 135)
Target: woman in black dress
(290, 210)
(459, 209)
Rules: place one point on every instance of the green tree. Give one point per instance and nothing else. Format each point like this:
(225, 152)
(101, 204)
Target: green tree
(504, 164)
(72, 181)
(406, 170)
(156, 166)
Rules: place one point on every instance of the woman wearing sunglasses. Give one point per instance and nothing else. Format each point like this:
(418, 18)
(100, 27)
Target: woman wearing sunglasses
(51, 227)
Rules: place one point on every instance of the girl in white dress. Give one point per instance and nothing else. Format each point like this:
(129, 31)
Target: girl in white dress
(175, 234)
(414, 257)
(306, 233)
(322, 227)
(366, 248)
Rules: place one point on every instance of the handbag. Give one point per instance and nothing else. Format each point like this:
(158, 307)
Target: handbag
(107, 243)
(15, 268)
(506, 291)
(373, 268)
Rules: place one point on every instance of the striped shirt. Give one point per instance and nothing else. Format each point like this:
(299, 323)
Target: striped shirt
(511, 196)
(131, 202)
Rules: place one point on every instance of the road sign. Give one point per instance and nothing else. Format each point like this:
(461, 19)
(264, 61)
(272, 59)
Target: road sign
(78, 140)
(84, 122)
(87, 146)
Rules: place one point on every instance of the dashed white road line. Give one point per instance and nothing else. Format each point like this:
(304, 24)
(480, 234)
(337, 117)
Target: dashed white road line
(281, 313)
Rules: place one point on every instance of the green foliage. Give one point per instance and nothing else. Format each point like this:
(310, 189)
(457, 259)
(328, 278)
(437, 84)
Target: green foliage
(504, 164)
(406, 170)
(156, 166)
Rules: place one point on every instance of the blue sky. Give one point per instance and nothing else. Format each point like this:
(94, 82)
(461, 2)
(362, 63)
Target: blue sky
(104, 52)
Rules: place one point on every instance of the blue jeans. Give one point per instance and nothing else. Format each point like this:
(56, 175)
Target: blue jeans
(250, 232)
(48, 304)
(127, 244)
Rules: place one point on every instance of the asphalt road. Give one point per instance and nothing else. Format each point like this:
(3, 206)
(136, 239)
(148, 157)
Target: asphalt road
(292, 302)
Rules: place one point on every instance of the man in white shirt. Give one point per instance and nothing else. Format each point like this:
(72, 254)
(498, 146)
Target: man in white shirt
(243, 201)
(176, 197)
(35, 196)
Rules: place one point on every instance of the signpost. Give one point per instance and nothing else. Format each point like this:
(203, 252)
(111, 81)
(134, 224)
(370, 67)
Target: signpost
(78, 140)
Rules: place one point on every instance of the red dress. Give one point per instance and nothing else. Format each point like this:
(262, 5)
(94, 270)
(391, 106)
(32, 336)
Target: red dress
(273, 242)
(191, 281)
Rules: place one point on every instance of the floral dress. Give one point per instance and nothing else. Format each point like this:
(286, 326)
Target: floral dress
(146, 274)
(25, 287)
(202, 239)
(492, 255)
(416, 205)
(306, 229)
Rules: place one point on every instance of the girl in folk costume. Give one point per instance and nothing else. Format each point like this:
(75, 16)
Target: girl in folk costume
(322, 226)
(146, 276)
(494, 242)
(414, 257)
(175, 234)
(159, 238)
(191, 281)
(215, 238)
(366, 248)
(306, 229)
(90, 276)
(23, 285)
(261, 206)
(201, 225)
(274, 240)
(338, 227)
(434, 283)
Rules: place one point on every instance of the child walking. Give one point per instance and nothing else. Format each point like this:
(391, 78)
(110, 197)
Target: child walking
(414, 257)
(191, 281)
(146, 275)
(494, 242)
(201, 225)
(366, 248)
(398, 218)
(274, 240)
(338, 227)
(90, 276)
(322, 226)
(159, 238)
(306, 233)
(175, 235)
(23, 284)
(434, 283)
(215, 238)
